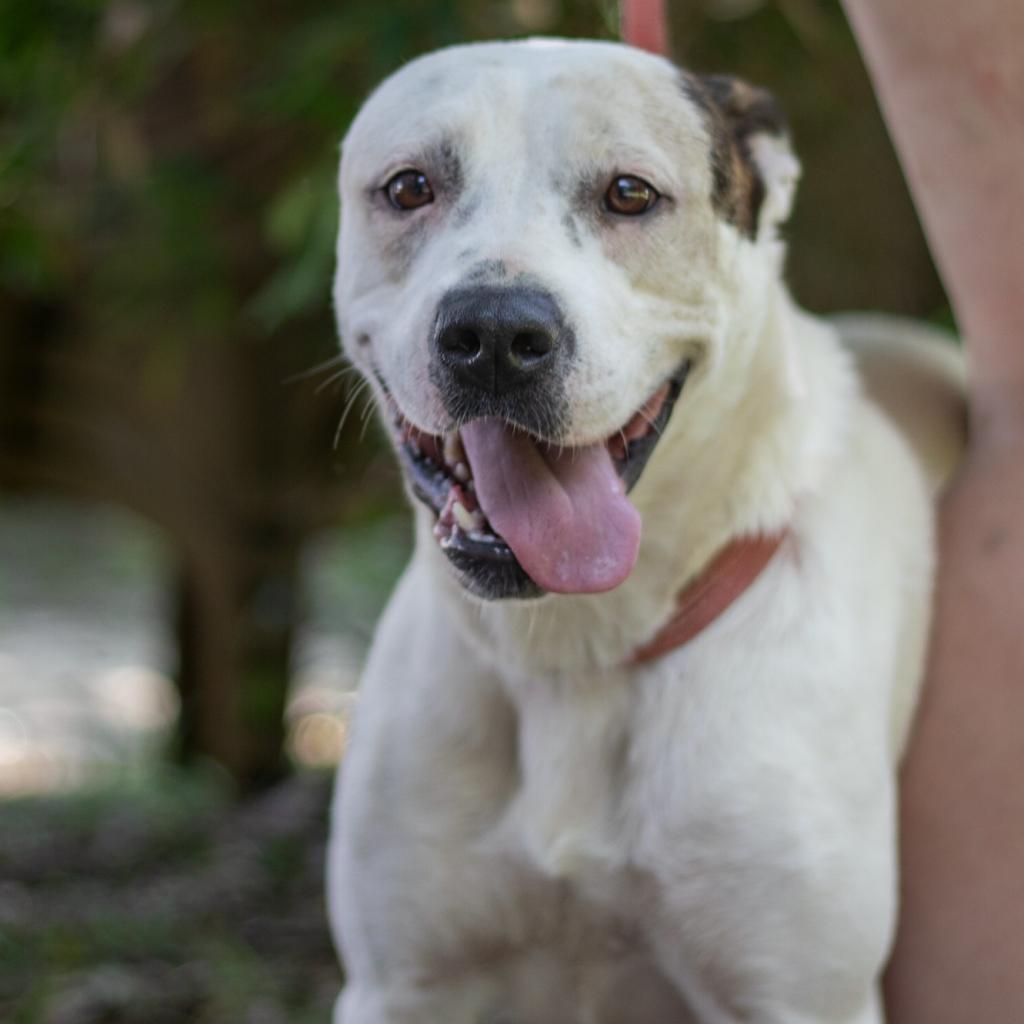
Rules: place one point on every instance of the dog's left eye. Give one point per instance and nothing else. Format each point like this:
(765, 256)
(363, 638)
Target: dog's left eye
(409, 190)
(630, 196)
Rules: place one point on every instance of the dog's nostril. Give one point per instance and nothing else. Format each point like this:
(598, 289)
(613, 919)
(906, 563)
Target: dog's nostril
(461, 341)
(529, 346)
(495, 340)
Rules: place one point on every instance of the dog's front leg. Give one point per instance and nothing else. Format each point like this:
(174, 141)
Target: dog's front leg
(721, 1001)
(772, 856)
(793, 946)
(425, 911)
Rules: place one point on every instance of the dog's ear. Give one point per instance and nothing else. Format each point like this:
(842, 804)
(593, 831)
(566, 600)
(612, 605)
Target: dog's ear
(754, 169)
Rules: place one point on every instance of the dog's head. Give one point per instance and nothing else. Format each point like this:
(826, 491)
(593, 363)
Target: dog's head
(540, 242)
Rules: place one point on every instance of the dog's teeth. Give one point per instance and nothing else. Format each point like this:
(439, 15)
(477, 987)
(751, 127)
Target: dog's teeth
(462, 516)
(469, 521)
(461, 472)
(453, 451)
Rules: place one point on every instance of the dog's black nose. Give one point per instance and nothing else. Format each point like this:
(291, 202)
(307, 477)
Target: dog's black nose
(496, 339)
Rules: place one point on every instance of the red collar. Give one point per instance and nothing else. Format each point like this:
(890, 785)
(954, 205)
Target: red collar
(726, 578)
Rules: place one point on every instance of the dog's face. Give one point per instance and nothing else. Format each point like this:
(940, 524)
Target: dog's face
(540, 242)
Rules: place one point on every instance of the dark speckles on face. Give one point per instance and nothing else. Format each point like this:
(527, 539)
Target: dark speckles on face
(487, 271)
(444, 167)
(401, 250)
(572, 230)
(465, 209)
(585, 199)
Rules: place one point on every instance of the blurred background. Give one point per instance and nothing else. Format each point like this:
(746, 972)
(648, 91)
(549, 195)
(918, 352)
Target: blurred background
(198, 519)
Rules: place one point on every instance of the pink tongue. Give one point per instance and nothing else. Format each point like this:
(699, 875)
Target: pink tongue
(566, 517)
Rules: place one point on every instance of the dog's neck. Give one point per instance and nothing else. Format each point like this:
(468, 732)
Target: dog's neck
(746, 443)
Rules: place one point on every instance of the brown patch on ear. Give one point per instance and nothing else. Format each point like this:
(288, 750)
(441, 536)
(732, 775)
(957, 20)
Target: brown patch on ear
(736, 111)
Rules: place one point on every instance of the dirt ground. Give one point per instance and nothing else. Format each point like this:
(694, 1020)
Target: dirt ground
(163, 902)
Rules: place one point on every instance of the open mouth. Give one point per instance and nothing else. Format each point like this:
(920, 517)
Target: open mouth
(519, 516)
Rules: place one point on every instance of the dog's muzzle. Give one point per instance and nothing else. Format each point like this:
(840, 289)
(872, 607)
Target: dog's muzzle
(496, 340)
(503, 351)
(517, 515)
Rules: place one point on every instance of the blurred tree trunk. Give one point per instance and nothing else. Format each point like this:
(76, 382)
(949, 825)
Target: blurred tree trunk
(258, 470)
(235, 625)
(232, 466)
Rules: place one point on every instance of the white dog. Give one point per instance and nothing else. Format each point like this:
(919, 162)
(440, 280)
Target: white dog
(626, 740)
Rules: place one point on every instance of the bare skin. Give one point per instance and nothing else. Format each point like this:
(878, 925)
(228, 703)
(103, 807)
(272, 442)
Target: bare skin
(950, 76)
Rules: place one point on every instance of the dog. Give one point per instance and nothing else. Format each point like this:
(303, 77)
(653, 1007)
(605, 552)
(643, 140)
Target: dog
(627, 737)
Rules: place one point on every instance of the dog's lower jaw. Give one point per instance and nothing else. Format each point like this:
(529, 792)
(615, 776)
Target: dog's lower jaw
(493, 580)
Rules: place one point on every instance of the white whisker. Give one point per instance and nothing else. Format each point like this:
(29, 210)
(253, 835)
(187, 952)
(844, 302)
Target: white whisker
(372, 403)
(327, 364)
(356, 392)
(344, 372)
(651, 423)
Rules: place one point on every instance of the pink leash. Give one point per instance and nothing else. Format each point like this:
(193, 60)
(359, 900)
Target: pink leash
(643, 23)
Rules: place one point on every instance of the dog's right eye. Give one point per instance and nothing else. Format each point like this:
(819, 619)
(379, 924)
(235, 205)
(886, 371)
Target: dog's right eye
(409, 190)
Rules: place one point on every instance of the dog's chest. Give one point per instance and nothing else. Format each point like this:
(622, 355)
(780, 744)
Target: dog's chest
(565, 816)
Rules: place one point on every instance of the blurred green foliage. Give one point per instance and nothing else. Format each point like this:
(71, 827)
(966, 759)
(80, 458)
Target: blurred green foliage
(168, 165)
(171, 163)
(158, 901)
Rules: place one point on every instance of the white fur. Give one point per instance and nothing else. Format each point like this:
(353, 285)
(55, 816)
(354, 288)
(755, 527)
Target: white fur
(528, 831)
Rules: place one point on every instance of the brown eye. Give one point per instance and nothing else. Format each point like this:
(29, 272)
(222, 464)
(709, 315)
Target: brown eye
(630, 196)
(409, 190)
